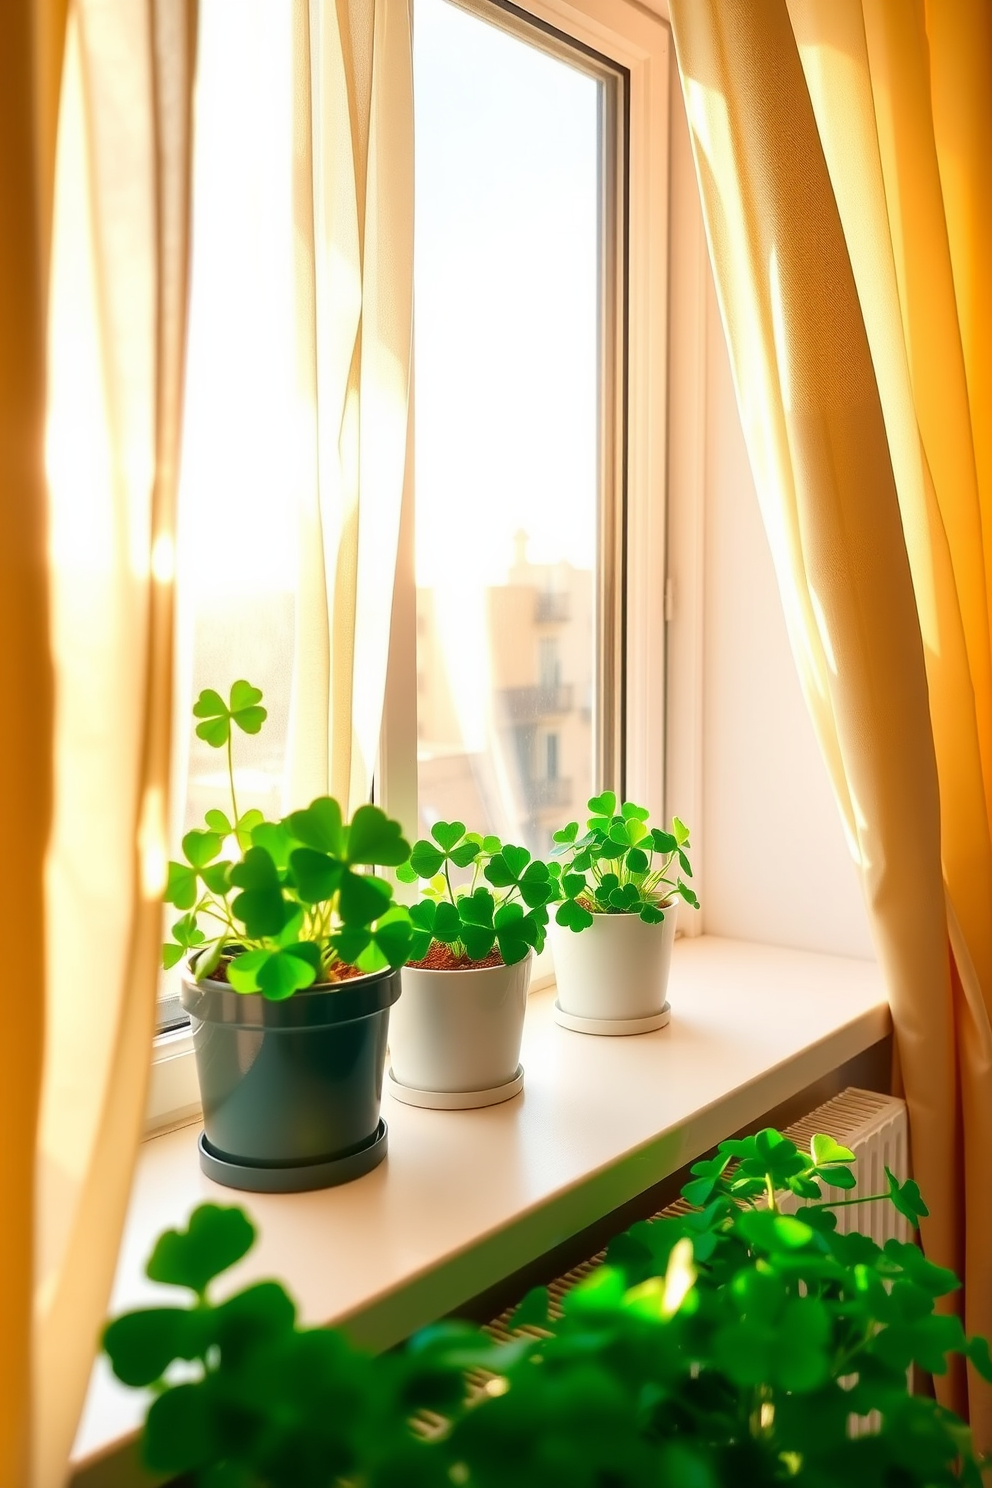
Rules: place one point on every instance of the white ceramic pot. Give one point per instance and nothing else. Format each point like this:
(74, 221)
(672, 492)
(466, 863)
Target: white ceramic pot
(614, 970)
(459, 1031)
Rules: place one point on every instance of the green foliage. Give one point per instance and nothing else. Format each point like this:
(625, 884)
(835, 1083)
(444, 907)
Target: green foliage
(506, 912)
(721, 1348)
(620, 865)
(288, 901)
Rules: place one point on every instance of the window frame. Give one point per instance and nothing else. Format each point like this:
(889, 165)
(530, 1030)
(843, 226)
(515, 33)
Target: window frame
(632, 747)
(616, 35)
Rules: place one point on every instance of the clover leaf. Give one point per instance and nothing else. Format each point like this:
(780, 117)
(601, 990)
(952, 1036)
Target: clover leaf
(243, 710)
(260, 906)
(374, 838)
(617, 861)
(907, 1199)
(214, 1239)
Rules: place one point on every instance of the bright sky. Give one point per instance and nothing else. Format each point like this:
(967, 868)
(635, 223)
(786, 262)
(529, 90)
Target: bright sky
(507, 200)
(506, 303)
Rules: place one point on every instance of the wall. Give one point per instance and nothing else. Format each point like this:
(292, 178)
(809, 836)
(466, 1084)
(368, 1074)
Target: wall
(776, 867)
(742, 756)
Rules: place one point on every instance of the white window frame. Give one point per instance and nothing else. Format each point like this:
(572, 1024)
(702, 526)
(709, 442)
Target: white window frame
(639, 42)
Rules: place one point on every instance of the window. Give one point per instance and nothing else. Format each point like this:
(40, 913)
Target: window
(528, 651)
(517, 483)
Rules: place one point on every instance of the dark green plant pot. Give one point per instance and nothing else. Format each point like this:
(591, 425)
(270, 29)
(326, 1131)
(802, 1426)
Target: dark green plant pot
(291, 1090)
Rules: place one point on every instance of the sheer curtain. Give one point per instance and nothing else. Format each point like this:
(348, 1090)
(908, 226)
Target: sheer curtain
(87, 697)
(31, 36)
(844, 151)
(353, 204)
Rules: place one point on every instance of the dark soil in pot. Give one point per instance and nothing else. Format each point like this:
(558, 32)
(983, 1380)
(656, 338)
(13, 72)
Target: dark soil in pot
(291, 1084)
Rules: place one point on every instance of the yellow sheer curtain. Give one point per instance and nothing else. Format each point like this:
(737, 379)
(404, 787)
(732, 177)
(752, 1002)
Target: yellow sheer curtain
(843, 151)
(85, 658)
(31, 36)
(353, 194)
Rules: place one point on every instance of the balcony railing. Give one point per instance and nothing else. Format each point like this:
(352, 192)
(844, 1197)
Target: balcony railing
(550, 607)
(527, 704)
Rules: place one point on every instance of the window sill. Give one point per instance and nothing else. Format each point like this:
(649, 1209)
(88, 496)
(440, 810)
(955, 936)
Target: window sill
(466, 1198)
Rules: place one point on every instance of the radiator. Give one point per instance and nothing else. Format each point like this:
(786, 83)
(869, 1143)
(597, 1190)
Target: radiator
(875, 1129)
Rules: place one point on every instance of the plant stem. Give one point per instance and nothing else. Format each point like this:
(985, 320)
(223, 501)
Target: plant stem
(770, 1187)
(844, 1203)
(230, 774)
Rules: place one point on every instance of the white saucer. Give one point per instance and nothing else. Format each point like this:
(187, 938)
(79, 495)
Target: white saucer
(614, 1026)
(455, 1100)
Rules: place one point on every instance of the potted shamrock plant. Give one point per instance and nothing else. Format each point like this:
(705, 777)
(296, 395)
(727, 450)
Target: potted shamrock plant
(456, 1034)
(618, 885)
(293, 947)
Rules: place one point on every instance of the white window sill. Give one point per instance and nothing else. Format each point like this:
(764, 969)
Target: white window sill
(466, 1198)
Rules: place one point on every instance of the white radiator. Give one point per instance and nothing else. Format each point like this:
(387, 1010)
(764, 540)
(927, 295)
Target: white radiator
(875, 1128)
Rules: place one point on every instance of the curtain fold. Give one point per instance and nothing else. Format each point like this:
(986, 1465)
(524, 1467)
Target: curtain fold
(31, 39)
(353, 198)
(844, 178)
(116, 338)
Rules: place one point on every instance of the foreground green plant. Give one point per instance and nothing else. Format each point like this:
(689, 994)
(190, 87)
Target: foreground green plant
(726, 1348)
(506, 912)
(620, 865)
(284, 903)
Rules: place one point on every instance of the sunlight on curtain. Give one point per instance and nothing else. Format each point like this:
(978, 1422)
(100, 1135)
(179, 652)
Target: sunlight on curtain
(116, 345)
(862, 379)
(31, 47)
(353, 206)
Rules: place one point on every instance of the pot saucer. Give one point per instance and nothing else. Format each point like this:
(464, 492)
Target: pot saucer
(255, 1178)
(614, 1026)
(455, 1100)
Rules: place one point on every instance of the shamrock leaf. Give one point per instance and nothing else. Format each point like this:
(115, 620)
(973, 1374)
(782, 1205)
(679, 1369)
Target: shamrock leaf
(515, 932)
(362, 897)
(535, 885)
(824, 1150)
(180, 888)
(426, 859)
(566, 836)
(477, 909)
(319, 826)
(260, 907)
(246, 824)
(287, 971)
(315, 874)
(504, 869)
(687, 894)
(216, 728)
(604, 804)
(373, 837)
(572, 916)
(447, 923)
(243, 710)
(214, 1239)
(141, 1345)
(447, 834)
(907, 1199)
(200, 848)
(652, 914)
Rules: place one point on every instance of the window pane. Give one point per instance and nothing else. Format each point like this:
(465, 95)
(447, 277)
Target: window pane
(508, 293)
(237, 531)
